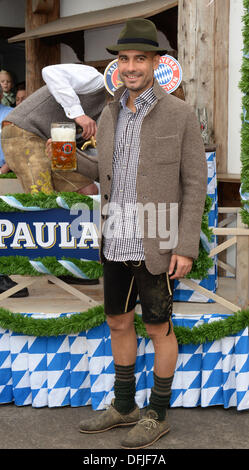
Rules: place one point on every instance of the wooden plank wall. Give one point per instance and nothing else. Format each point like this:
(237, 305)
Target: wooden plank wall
(203, 52)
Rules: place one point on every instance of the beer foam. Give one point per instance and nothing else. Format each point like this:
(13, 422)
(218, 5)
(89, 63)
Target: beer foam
(62, 134)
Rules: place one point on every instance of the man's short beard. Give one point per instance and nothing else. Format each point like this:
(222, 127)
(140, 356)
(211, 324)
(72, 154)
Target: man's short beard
(143, 86)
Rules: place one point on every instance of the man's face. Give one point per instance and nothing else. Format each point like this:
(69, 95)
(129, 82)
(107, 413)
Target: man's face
(136, 69)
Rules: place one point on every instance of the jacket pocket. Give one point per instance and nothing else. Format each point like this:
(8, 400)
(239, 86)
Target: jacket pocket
(167, 150)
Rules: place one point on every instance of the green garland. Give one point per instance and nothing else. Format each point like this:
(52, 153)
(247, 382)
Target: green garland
(10, 175)
(20, 265)
(45, 201)
(203, 263)
(244, 86)
(76, 323)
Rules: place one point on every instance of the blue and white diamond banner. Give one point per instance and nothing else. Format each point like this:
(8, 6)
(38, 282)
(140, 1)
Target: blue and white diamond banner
(78, 369)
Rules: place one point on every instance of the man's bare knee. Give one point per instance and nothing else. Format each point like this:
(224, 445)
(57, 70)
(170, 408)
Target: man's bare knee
(120, 323)
(158, 330)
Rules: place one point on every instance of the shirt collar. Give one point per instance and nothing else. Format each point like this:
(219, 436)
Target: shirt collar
(148, 96)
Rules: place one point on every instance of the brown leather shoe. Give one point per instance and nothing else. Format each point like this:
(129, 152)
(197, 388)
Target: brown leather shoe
(147, 431)
(108, 419)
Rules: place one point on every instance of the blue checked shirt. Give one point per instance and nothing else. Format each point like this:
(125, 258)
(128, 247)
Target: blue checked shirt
(123, 241)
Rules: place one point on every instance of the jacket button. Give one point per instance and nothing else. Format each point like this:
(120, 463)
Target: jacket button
(105, 196)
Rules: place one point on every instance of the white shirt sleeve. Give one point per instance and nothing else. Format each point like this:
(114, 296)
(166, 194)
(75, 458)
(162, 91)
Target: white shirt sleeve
(64, 81)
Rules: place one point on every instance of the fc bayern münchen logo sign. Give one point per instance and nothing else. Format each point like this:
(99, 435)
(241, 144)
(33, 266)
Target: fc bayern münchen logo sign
(168, 74)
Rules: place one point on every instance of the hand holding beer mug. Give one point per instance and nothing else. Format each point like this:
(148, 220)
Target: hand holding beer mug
(63, 136)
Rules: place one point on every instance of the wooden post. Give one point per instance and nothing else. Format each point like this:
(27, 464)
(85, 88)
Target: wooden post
(196, 53)
(38, 53)
(242, 267)
(203, 44)
(221, 79)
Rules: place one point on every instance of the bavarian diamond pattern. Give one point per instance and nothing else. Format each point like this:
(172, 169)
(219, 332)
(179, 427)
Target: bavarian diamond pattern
(80, 390)
(208, 372)
(163, 74)
(78, 369)
(182, 293)
(6, 381)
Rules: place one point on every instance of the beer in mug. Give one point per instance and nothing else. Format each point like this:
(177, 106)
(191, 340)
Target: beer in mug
(63, 136)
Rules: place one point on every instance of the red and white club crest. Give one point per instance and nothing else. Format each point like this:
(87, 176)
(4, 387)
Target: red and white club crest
(168, 73)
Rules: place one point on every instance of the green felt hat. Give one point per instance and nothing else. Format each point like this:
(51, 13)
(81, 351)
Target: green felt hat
(138, 34)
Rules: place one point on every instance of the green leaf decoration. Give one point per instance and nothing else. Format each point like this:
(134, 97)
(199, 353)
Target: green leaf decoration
(78, 322)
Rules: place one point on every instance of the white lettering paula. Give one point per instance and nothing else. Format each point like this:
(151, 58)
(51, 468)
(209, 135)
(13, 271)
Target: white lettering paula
(46, 235)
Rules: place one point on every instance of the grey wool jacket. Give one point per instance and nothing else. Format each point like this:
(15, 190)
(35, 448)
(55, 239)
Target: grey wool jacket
(36, 113)
(172, 169)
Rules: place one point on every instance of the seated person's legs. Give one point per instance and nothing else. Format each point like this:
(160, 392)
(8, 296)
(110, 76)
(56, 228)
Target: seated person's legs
(25, 154)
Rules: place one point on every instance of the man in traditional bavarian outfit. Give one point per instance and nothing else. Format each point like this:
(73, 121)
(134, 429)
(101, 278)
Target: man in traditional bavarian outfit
(72, 92)
(150, 151)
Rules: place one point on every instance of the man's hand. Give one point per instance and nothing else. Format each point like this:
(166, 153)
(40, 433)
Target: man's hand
(88, 125)
(183, 266)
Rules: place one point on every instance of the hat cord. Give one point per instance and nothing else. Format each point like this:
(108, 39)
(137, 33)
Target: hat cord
(138, 41)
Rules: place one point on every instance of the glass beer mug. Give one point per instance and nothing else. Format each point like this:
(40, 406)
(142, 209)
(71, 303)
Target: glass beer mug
(63, 136)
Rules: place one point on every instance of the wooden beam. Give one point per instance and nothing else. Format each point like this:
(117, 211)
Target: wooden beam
(242, 267)
(211, 295)
(221, 81)
(222, 211)
(18, 287)
(97, 19)
(227, 267)
(223, 246)
(227, 220)
(70, 289)
(38, 53)
(80, 295)
(230, 231)
(229, 177)
(228, 210)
